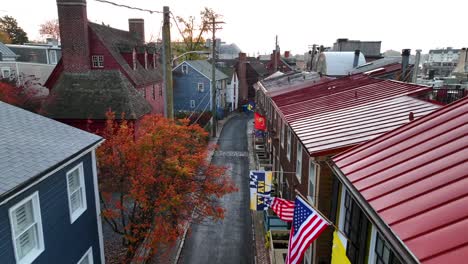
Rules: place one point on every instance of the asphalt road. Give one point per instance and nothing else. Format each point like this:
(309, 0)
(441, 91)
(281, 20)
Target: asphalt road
(229, 240)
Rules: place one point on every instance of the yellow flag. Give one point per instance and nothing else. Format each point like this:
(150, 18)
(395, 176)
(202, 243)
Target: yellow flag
(338, 251)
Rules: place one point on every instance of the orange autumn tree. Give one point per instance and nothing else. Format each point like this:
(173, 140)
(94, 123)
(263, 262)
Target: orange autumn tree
(152, 182)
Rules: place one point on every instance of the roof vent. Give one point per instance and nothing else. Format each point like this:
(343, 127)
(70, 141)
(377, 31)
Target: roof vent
(411, 116)
(355, 94)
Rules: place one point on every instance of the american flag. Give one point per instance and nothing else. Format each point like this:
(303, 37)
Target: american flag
(306, 227)
(283, 208)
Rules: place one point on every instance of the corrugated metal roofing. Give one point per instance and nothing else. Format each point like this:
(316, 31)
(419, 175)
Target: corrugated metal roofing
(348, 111)
(415, 178)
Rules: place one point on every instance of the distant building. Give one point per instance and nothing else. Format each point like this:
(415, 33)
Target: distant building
(441, 62)
(370, 49)
(49, 199)
(192, 87)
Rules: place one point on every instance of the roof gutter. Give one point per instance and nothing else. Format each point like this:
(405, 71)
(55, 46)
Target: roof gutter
(405, 255)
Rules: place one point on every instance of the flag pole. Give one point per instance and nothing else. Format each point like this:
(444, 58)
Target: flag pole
(320, 213)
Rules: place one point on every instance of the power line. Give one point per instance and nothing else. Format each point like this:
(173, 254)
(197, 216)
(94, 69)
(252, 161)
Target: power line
(130, 7)
(201, 101)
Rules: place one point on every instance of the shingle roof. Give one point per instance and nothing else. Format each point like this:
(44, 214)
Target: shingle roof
(7, 52)
(204, 68)
(31, 144)
(415, 178)
(362, 106)
(114, 40)
(89, 96)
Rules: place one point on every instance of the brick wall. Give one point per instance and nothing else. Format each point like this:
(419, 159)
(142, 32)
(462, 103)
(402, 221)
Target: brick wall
(73, 22)
(136, 26)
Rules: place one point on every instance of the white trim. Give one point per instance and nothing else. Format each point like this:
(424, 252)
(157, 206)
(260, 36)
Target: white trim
(36, 207)
(288, 145)
(52, 172)
(98, 206)
(371, 258)
(310, 197)
(298, 161)
(343, 239)
(202, 89)
(89, 253)
(76, 214)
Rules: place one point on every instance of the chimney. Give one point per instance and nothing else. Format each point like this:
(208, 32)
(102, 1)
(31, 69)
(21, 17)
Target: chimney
(73, 21)
(287, 54)
(1, 56)
(242, 75)
(416, 66)
(136, 27)
(405, 53)
(356, 58)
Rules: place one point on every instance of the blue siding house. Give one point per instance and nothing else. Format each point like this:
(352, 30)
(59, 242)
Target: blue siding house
(192, 87)
(49, 206)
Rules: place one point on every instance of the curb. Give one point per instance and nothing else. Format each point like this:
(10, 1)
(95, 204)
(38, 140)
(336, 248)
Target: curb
(210, 157)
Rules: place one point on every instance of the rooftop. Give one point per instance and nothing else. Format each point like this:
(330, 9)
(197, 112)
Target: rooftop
(415, 179)
(364, 107)
(32, 144)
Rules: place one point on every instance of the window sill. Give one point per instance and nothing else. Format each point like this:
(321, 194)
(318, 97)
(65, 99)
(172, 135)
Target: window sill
(31, 256)
(76, 214)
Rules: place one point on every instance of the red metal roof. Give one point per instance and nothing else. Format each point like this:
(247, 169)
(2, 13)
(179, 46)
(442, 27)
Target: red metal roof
(348, 111)
(416, 177)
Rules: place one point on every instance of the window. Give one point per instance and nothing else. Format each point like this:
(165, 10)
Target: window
(87, 257)
(53, 57)
(288, 153)
(299, 161)
(383, 253)
(192, 103)
(355, 226)
(184, 69)
(200, 87)
(282, 135)
(160, 91)
(154, 92)
(6, 72)
(26, 229)
(76, 192)
(312, 179)
(98, 61)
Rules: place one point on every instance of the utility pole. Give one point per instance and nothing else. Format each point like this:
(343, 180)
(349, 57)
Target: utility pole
(213, 75)
(167, 65)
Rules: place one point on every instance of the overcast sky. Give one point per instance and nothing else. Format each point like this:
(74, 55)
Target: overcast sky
(253, 24)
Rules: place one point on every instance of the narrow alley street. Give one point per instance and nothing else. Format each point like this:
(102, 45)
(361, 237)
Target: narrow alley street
(229, 240)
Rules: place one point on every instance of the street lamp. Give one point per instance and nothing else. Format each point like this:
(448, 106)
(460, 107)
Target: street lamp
(190, 52)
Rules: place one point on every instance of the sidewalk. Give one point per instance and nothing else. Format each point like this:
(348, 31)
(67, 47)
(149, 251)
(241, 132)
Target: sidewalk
(262, 255)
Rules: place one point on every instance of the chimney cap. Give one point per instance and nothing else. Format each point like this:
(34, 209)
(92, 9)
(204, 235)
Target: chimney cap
(136, 20)
(406, 52)
(357, 52)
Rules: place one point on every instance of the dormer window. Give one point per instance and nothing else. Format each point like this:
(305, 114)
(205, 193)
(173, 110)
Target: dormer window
(134, 59)
(98, 61)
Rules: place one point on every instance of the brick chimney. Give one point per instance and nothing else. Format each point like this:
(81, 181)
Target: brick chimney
(242, 74)
(136, 26)
(287, 54)
(73, 21)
